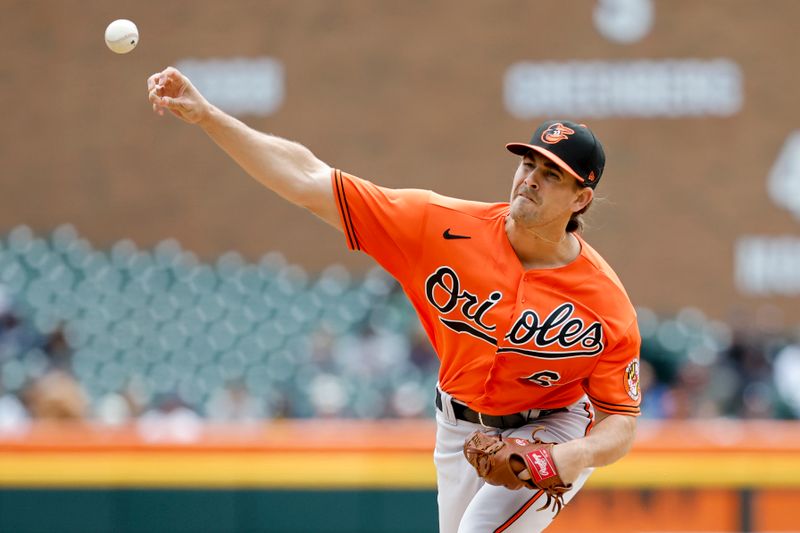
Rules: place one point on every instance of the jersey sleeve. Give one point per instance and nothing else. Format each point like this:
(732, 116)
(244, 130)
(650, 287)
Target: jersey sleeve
(384, 223)
(613, 386)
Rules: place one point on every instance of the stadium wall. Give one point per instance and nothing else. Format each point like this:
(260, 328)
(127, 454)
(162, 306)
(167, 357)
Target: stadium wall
(356, 476)
(696, 117)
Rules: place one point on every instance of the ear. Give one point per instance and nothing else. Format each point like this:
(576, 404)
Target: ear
(582, 199)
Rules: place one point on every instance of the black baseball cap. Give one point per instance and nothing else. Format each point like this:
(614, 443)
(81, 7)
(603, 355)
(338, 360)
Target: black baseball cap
(571, 146)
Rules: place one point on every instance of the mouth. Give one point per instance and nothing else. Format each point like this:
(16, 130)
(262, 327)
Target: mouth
(527, 196)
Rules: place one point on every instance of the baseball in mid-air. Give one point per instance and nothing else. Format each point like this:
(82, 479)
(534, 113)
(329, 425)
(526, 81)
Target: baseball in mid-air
(122, 36)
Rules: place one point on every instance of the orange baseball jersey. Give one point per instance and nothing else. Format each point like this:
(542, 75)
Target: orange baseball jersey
(508, 339)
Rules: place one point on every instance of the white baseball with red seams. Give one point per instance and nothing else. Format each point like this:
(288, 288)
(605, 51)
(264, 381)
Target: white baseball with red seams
(122, 36)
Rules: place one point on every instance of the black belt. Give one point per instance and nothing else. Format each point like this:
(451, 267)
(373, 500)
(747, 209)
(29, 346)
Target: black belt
(462, 412)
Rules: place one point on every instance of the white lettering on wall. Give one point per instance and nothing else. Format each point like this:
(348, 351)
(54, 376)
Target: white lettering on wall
(767, 266)
(641, 88)
(239, 86)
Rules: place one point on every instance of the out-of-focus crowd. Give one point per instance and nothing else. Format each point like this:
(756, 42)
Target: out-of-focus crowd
(691, 367)
(370, 372)
(745, 367)
(134, 335)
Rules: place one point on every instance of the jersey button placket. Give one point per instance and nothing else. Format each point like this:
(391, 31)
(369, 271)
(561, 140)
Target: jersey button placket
(522, 284)
(521, 289)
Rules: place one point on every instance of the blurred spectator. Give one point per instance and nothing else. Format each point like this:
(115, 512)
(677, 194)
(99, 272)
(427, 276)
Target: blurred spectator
(170, 420)
(370, 353)
(653, 391)
(749, 356)
(757, 400)
(7, 318)
(786, 373)
(57, 349)
(410, 400)
(14, 417)
(691, 396)
(329, 395)
(137, 396)
(321, 350)
(234, 404)
(115, 409)
(421, 352)
(56, 396)
(16, 336)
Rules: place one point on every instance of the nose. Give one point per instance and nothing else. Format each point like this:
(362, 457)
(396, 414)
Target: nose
(530, 180)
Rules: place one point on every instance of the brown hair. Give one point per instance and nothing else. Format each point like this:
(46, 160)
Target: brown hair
(576, 223)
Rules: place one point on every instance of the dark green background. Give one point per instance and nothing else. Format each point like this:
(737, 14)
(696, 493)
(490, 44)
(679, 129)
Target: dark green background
(217, 511)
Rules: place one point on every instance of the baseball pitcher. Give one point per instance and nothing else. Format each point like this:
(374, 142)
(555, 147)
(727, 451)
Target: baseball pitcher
(537, 338)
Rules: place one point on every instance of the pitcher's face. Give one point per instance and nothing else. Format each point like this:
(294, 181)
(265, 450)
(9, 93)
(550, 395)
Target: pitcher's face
(543, 193)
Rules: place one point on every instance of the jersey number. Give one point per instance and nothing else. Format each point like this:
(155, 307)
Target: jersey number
(545, 378)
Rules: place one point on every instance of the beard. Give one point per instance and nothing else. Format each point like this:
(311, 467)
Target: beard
(523, 211)
(528, 214)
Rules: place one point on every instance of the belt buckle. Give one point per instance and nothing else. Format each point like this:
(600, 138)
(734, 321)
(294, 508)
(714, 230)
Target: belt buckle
(480, 419)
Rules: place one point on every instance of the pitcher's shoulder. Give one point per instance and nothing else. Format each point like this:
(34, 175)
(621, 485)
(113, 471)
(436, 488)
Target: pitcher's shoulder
(609, 283)
(475, 209)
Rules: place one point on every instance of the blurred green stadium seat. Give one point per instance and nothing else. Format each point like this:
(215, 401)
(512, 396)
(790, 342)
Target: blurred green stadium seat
(166, 323)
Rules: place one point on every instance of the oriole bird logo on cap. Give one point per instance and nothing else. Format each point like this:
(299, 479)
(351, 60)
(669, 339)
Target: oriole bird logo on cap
(556, 132)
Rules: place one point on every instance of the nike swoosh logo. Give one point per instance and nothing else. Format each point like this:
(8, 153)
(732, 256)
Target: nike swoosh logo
(451, 236)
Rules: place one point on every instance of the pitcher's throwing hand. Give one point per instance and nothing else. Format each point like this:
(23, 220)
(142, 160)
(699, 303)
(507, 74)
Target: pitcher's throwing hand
(171, 90)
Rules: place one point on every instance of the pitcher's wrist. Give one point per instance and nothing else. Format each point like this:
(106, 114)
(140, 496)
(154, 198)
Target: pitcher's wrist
(571, 458)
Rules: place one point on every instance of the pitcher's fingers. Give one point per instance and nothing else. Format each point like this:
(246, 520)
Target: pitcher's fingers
(158, 110)
(153, 95)
(160, 103)
(176, 80)
(172, 84)
(156, 79)
(167, 102)
(158, 91)
(151, 81)
(171, 72)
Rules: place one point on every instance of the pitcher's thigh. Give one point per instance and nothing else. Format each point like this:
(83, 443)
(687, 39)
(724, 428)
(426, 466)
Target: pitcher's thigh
(496, 509)
(457, 485)
(457, 481)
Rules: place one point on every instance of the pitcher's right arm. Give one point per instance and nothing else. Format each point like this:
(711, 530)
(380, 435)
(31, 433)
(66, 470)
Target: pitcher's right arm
(286, 167)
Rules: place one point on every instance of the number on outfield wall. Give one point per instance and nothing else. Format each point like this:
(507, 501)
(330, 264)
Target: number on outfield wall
(783, 182)
(624, 21)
